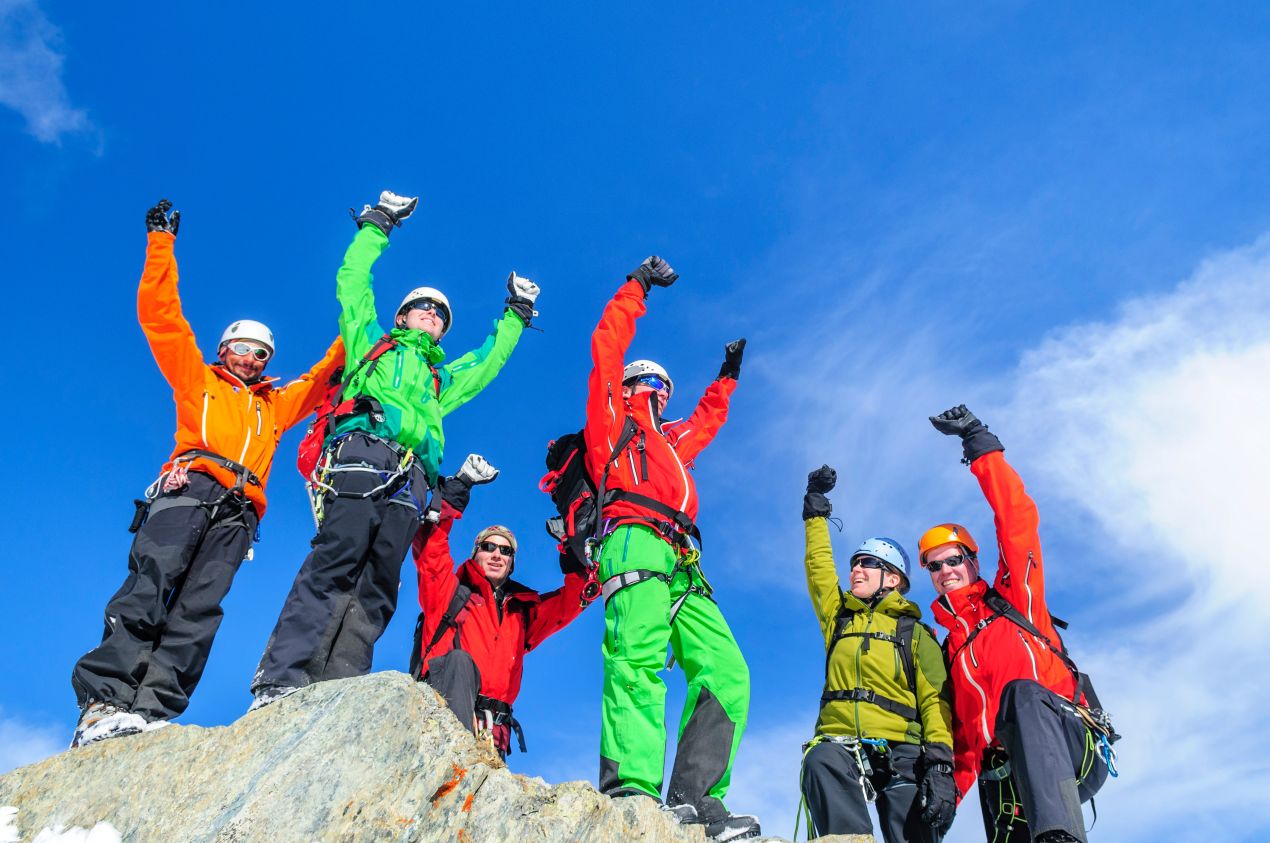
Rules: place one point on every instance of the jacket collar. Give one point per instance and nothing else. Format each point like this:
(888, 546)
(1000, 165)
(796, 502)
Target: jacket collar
(419, 341)
(262, 385)
(471, 575)
(966, 602)
(892, 604)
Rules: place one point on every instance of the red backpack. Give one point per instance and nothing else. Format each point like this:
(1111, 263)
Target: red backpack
(334, 408)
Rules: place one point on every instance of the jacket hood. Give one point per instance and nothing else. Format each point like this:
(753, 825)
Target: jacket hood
(894, 604)
(421, 342)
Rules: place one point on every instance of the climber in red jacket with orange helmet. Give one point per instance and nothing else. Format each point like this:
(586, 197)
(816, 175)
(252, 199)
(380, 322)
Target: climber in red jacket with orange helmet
(1020, 724)
(477, 622)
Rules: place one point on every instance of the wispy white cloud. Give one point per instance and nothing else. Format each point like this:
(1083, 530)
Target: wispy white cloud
(23, 742)
(31, 73)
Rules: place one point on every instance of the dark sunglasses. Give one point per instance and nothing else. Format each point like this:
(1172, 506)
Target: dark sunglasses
(242, 349)
(431, 306)
(951, 561)
(866, 562)
(490, 547)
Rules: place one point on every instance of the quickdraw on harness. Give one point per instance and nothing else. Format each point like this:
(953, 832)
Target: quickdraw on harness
(857, 748)
(391, 482)
(579, 526)
(495, 712)
(176, 477)
(1091, 711)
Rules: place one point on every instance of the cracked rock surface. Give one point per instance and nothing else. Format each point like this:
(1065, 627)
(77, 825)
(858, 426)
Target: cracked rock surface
(374, 758)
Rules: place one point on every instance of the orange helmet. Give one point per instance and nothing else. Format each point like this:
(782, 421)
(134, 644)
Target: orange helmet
(944, 534)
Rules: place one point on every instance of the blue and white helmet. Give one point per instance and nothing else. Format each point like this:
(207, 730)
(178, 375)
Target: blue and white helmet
(891, 553)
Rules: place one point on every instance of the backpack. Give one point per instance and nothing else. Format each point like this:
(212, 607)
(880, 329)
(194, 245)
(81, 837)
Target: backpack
(1095, 716)
(574, 493)
(335, 409)
(905, 627)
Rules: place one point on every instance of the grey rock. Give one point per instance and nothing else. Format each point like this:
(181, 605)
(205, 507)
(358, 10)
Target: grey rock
(374, 758)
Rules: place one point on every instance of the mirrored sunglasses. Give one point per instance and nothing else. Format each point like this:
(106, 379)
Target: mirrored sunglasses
(652, 381)
(242, 349)
(429, 306)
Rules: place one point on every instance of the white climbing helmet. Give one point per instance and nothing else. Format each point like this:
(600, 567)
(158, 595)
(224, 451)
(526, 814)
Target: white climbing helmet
(434, 295)
(247, 329)
(639, 368)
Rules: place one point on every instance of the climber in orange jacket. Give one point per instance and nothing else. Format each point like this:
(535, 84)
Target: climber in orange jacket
(1022, 723)
(198, 519)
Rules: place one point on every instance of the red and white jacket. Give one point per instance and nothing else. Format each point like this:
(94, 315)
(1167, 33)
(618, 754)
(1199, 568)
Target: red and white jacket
(658, 460)
(1002, 652)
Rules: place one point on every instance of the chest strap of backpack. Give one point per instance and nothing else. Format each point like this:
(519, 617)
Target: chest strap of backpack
(870, 696)
(902, 640)
(1002, 608)
(500, 714)
(677, 526)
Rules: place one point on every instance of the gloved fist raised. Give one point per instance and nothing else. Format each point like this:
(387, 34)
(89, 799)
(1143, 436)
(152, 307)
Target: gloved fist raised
(732, 354)
(976, 440)
(521, 295)
(822, 479)
(157, 218)
(476, 471)
(652, 271)
(388, 212)
(815, 504)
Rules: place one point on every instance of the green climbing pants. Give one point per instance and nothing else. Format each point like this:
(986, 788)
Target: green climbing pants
(637, 630)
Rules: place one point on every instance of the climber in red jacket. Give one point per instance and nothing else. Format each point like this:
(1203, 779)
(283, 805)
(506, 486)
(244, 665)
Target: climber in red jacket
(1020, 721)
(477, 622)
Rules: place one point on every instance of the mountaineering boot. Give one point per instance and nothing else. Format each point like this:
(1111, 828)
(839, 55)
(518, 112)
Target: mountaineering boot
(100, 721)
(266, 694)
(733, 827)
(684, 814)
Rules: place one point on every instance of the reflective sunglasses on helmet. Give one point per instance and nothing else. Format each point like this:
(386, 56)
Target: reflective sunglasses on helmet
(490, 547)
(934, 565)
(430, 306)
(242, 349)
(653, 382)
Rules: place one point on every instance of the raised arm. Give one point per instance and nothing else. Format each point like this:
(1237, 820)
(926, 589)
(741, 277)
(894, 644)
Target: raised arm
(696, 432)
(359, 324)
(822, 575)
(433, 560)
(556, 610)
(170, 336)
(300, 397)
(605, 411)
(1020, 576)
(464, 378)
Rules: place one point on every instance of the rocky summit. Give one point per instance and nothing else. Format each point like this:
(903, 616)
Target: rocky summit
(375, 758)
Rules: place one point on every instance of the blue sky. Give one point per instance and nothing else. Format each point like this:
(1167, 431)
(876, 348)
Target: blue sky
(1055, 214)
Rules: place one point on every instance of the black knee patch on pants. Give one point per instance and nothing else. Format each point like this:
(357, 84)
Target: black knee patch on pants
(702, 757)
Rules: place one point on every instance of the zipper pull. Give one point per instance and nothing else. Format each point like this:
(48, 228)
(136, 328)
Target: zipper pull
(643, 458)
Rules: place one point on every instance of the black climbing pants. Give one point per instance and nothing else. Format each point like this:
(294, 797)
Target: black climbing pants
(161, 622)
(346, 590)
(456, 677)
(836, 801)
(1053, 766)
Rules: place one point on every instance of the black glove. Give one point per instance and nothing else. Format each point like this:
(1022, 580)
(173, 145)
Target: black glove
(976, 440)
(652, 271)
(937, 792)
(388, 212)
(157, 218)
(732, 354)
(815, 504)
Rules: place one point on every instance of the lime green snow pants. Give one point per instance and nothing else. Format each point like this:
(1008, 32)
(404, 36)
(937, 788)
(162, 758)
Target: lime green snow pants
(637, 630)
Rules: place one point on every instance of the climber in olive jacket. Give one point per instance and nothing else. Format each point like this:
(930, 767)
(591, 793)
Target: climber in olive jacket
(885, 681)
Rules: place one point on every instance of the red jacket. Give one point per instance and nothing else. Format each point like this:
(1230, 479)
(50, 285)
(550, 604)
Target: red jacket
(215, 411)
(1002, 652)
(660, 469)
(498, 646)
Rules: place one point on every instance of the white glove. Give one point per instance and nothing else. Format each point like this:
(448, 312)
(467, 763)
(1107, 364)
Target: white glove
(522, 287)
(476, 471)
(399, 207)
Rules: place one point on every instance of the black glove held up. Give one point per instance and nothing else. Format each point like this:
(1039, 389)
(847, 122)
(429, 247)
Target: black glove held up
(157, 218)
(815, 504)
(976, 439)
(732, 354)
(652, 271)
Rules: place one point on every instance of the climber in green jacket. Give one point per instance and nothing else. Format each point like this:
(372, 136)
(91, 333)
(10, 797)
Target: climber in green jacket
(379, 462)
(885, 727)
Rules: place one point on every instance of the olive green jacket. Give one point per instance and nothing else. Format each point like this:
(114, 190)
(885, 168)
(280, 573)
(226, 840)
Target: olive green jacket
(874, 664)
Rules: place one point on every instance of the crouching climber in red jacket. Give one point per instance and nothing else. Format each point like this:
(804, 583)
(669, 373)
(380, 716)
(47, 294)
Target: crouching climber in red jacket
(477, 622)
(1022, 719)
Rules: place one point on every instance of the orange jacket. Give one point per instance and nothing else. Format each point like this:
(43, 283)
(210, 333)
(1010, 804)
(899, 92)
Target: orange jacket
(215, 411)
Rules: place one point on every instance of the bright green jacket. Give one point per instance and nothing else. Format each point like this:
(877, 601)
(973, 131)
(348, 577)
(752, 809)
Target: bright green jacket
(878, 668)
(414, 388)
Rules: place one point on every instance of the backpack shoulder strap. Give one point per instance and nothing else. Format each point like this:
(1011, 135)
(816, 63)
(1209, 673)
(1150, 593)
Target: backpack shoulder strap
(840, 623)
(462, 594)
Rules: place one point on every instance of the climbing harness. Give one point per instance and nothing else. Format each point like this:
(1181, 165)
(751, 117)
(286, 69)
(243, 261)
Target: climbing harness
(498, 713)
(859, 749)
(392, 482)
(158, 495)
